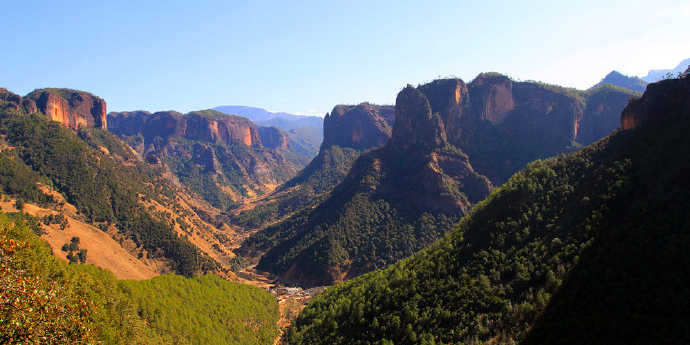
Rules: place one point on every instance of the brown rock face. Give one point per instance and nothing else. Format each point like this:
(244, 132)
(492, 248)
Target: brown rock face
(273, 137)
(414, 124)
(206, 126)
(659, 103)
(361, 127)
(71, 108)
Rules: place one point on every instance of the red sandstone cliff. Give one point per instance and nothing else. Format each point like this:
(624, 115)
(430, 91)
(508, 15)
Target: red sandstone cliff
(360, 127)
(70, 107)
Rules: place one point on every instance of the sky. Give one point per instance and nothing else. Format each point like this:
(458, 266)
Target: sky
(306, 57)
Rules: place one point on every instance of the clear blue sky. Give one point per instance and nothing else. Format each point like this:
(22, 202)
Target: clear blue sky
(307, 56)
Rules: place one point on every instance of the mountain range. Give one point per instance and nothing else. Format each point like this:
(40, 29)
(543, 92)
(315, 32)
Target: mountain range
(488, 211)
(451, 143)
(583, 248)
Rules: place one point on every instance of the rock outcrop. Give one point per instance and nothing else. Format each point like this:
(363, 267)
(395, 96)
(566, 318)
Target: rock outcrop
(662, 100)
(206, 126)
(72, 108)
(503, 124)
(273, 137)
(360, 127)
(226, 152)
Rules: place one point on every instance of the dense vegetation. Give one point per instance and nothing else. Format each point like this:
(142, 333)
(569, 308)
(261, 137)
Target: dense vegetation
(45, 300)
(205, 309)
(589, 247)
(377, 215)
(104, 187)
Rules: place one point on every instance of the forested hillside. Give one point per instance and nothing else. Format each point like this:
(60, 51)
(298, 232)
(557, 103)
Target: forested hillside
(348, 131)
(45, 300)
(584, 248)
(91, 170)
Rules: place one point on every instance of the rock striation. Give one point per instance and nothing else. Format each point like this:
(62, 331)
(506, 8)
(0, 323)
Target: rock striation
(222, 157)
(72, 108)
(360, 127)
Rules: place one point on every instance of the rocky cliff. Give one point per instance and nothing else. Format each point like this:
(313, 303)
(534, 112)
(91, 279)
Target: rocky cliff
(348, 130)
(503, 124)
(72, 108)
(360, 127)
(663, 101)
(221, 157)
(273, 137)
(396, 199)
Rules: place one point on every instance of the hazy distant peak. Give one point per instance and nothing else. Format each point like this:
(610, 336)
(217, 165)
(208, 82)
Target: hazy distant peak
(658, 74)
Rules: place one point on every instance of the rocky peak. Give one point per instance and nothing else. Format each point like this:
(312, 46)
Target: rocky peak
(492, 95)
(273, 137)
(662, 101)
(449, 98)
(361, 126)
(415, 125)
(71, 108)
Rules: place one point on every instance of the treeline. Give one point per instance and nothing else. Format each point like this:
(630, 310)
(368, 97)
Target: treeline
(45, 300)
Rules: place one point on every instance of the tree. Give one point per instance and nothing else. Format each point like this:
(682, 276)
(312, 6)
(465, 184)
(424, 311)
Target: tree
(19, 204)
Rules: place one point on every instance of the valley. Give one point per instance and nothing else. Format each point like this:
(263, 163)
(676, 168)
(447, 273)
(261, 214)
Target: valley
(496, 187)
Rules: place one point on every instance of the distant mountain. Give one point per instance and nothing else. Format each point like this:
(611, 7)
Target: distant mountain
(304, 131)
(450, 143)
(287, 124)
(588, 248)
(658, 74)
(618, 79)
(224, 158)
(349, 130)
(258, 114)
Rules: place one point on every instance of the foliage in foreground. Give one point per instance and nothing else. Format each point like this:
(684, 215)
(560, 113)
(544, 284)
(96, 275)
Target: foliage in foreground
(44, 300)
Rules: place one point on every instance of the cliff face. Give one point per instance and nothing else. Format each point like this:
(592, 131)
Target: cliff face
(396, 199)
(70, 107)
(222, 157)
(218, 128)
(662, 101)
(360, 127)
(273, 137)
(503, 124)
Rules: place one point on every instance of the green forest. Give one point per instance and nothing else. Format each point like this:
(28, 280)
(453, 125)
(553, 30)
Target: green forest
(588, 247)
(105, 188)
(45, 300)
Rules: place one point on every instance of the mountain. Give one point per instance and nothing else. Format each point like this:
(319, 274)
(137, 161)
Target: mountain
(618, 79)
(385, 209)
(456, 142)
(658, 74)
(72, 108)
(104, 192)
(584, 248)
(304, 131)
(258, 114)
(348, 131)
(223, 158)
